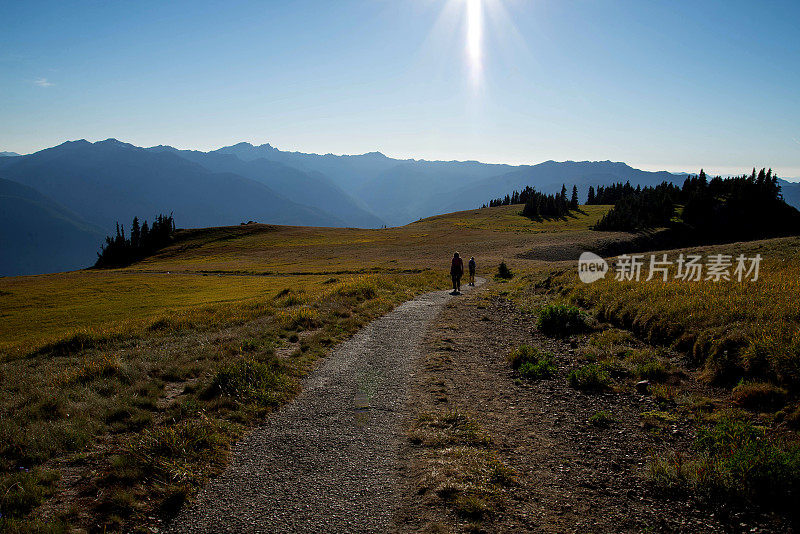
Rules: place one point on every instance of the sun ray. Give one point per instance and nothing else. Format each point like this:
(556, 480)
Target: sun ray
(474, 45)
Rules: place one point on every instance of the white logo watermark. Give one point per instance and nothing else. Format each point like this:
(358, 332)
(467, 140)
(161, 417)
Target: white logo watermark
(690, 267)
(591, 267)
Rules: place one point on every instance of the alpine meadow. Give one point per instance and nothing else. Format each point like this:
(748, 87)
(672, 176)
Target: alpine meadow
(430, 266)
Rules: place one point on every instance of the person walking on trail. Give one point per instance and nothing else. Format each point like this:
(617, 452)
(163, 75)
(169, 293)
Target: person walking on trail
(456, 272)
(472, 271)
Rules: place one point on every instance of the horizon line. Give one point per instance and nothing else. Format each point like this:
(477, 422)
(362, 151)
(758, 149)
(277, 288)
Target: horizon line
(672, 169)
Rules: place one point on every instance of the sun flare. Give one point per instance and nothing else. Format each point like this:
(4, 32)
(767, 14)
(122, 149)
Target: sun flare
(475, 37)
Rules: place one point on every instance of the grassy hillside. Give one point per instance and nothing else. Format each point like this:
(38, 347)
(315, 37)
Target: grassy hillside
(735, 330)
(122, 390)
(192, 281)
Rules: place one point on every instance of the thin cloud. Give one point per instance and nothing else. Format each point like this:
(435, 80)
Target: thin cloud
(795, 140)
(42, 82)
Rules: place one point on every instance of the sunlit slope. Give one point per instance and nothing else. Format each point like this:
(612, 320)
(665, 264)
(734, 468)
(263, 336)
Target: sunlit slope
(221, 275)
(489, 234)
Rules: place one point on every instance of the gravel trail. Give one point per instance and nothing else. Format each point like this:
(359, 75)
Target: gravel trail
(328, 461)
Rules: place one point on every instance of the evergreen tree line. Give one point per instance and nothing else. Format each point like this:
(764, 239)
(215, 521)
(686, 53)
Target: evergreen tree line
(613, 193)
(144, 240)
(741, 207)
(539, 205)
(635, 209)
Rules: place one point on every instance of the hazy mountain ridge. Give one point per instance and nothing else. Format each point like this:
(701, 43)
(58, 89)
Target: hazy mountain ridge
(39, 235)
(791, 192)
(8, 154)
(108, 181)
(549, 176)
(309, 188)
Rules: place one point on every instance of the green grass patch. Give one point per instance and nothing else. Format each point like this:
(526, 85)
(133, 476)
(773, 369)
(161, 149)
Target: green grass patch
(601, 419)
(252, 381)
(558, 320)
(590, 377)
(531, 363)
(735, 461)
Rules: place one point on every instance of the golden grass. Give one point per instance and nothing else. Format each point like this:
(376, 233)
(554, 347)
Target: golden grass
(181, 352)
(42, 309)
(206, 278)
(754, 324)
(491, 234)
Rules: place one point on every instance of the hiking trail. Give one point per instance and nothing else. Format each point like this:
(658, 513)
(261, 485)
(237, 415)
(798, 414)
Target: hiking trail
(329, 460)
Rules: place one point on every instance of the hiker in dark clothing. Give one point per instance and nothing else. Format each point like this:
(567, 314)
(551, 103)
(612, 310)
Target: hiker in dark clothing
(456, 272)
(472, 271)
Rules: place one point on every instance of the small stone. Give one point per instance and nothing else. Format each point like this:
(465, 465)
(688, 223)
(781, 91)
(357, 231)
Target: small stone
(642, 386)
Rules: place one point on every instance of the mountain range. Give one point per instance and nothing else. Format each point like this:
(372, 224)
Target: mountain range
(57, 204)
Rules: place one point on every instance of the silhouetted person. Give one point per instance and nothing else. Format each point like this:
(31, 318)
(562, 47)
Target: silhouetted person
(472, 271)
(456, 272)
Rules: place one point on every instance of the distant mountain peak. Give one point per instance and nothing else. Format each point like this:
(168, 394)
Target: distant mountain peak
(115, 143)
(8, 154)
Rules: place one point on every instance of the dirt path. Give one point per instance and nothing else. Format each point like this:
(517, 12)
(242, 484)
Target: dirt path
(573, 477)
(328, 461)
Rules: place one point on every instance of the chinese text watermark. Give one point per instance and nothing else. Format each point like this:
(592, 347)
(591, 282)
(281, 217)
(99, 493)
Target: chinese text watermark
(689, 267)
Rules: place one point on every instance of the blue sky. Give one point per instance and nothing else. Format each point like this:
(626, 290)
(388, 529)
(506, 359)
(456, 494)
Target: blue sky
(660, 85)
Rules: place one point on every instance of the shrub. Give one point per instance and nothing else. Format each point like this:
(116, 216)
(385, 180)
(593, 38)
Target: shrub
(360, 288)
(532, 363)
(302, 317)
(104, 366)
(251, 381)
(503, 272)
(601, 419)
(472, 507)
(793, 418)
(591, 377)
(449, 428)
(652, 370)
(663, 394)
(537, 370)
(22, 491)
(736, 461)
(558, 320)
(759, 396)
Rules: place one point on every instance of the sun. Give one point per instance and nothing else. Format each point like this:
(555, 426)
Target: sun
(474, 36)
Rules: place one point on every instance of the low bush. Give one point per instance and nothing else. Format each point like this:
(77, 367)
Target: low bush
(591, 377)
(251, 381)
(655, 370)
(601, 419)
(23, 490)
(447, 429)
(557, 320)
(360, 288)
(302, 317)
(736, 461)
(532, 363)
(503, 272)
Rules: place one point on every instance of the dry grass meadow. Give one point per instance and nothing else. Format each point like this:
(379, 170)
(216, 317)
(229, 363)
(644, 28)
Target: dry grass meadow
(122, 390)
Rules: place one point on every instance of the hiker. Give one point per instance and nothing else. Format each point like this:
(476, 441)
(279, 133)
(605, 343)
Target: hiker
(472, 271)
(456, 272)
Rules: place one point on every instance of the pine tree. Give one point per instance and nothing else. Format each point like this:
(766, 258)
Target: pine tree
(573, 203)
(136, 234)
